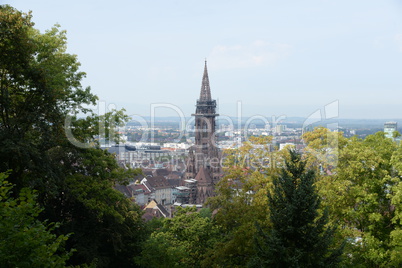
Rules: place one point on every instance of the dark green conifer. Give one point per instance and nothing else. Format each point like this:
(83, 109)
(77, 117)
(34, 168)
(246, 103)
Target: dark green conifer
(299, 236)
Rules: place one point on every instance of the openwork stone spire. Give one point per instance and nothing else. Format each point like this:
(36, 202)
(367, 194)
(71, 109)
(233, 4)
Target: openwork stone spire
(205, 94)
(204, 155)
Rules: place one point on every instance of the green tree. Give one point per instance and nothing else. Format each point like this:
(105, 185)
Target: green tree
(241, 199)
(362, 197)
(24, 240)
(51, 150)
(298, 236)
(183, 241)
(323, 147)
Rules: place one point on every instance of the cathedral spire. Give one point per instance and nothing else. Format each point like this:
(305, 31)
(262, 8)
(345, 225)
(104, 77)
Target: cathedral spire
(205, 94)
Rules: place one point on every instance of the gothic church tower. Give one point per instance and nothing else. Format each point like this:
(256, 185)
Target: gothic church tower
(203, 163)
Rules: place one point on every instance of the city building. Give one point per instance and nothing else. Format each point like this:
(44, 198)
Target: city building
(390, 128)
(279, 129)
(161, 190)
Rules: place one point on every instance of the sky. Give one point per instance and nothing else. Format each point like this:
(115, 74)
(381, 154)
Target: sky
(268, 58)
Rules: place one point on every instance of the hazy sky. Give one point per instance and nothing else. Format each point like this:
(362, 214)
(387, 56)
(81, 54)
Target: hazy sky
(275, 57)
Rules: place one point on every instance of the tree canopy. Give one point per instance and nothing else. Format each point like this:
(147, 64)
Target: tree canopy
(298, 237)
(46, 147)
(182, 241)
(24, 240)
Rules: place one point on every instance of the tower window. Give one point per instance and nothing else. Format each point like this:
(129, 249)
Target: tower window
(205, 130)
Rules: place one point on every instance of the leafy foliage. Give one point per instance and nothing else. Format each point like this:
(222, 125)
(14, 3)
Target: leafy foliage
(323, 147)
(183, 241)
(362, 196)
(240, 201)
(24, 240)
(49, 149)
(363, 190)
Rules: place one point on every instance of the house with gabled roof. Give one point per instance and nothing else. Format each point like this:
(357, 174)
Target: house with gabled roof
(155, 210)
(140, 193)
(160, 189)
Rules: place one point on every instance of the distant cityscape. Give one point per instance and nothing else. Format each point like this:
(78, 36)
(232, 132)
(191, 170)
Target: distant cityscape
(176, 159)
(161, 153)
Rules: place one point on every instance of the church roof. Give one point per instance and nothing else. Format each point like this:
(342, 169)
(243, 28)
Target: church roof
(203, 177)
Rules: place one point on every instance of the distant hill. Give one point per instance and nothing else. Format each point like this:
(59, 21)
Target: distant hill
(294, 122)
